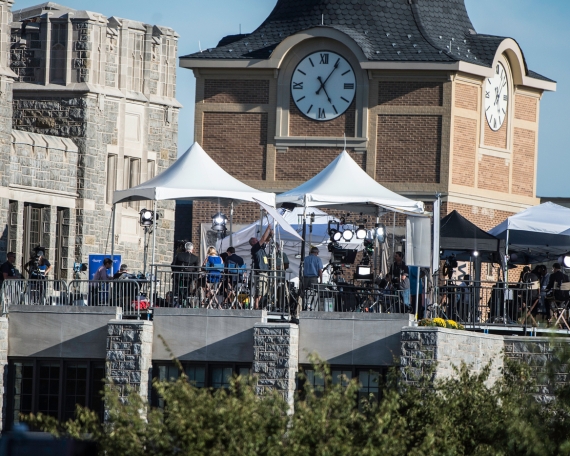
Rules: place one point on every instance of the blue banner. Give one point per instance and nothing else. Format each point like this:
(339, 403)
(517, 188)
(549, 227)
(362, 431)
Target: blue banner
(96, 261)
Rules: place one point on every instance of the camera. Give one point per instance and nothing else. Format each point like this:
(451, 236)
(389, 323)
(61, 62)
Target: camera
(79, 267)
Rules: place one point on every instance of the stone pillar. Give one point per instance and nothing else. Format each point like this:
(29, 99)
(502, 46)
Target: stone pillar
(276, 358)
(129, 355)
(3, 368)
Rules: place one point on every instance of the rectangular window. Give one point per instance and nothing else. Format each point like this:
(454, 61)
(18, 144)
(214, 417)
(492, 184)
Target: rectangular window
(49, 381)
(111, 177)
(35, 42)
(150, 169)
(58, 52)
(23, 389)
(196, 375)
(341, 377)
(54, 387)
(134, 179)
(370, 384)
(75, 388)
(136, 61)
(221, 376)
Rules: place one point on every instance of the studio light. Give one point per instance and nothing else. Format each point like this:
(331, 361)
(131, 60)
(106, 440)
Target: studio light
(333, 227)
(337, 236)
(361, 232)
(347, 235)
(219, 221)
(564, 261)
(146, 218)
(380, 232)
(475, 253)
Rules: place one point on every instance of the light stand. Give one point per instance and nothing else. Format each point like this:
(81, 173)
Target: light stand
(147, 220)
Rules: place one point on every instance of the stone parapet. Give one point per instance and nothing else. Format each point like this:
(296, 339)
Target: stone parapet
(3, 368)
(444, 350)
(276, 358)
(129, 356)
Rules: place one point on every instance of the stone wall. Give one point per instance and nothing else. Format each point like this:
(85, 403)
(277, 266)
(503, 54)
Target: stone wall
(276, 358)
(536, 352)
(426, 347)
(129, 356)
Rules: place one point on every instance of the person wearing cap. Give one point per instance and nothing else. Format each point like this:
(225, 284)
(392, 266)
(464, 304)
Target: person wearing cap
(404, 287)
(312, 269)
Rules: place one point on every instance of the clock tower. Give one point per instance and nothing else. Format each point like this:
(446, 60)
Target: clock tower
(425, 104)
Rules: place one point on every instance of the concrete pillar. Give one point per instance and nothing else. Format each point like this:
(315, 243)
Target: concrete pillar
(276, 359)
(3, 368)
(129, 356)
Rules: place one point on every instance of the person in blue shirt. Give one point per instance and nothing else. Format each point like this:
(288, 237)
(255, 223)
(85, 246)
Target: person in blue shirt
(312, 269)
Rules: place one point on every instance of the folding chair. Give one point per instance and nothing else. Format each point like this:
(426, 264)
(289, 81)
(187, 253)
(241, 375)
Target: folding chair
(533, 288)
(562, 303)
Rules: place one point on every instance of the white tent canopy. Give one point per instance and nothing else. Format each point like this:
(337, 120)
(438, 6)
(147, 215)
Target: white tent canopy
(318, 237)
(194, 176)
(540, 233)
(346, 186)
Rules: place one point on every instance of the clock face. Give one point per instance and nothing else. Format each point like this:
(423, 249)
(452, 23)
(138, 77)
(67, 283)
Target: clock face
(497, 98)
(323, 85)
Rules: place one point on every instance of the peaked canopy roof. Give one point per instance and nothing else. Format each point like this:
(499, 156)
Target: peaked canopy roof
(539, 233)
(459, 234)
(195, 175)
(344, 184)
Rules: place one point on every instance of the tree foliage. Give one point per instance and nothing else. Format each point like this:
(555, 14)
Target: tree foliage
(456, 416)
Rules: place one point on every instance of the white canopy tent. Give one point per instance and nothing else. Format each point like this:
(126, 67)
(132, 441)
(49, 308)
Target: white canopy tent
(318, 236)
(344, 185)
(194, 176)
(540, 233)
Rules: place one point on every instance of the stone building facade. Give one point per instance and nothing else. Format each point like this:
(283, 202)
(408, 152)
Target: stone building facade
(92, 109)
(417, 123)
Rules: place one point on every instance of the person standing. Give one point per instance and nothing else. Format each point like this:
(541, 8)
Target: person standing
(260, 265)
(404, 287)
(98, 290)
(184, 267)
(312, 269)
(8, 270)
(398, 266)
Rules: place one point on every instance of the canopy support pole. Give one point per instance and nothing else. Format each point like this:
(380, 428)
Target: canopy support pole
(231, 223)
(506, 277)
(153, 267)
(113, 234)
(417, 291)
(393, 233)
(301, 268)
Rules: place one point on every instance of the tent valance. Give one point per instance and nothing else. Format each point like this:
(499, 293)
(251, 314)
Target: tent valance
(194, 176)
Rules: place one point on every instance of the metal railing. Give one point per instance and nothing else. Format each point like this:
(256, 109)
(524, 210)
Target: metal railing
(226, 288)
(494, 303)
(345, 297)
(45, 292)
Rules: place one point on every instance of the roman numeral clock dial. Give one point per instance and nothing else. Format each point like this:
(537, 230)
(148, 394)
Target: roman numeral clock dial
(497, 97)
(323, 85)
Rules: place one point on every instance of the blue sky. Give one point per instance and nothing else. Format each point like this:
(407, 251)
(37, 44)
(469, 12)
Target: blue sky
(540, 28)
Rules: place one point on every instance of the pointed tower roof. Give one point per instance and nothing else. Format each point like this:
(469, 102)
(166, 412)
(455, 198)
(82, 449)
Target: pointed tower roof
(394, 30)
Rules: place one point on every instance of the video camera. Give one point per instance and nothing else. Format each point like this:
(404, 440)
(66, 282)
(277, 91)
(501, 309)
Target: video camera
(79, 267)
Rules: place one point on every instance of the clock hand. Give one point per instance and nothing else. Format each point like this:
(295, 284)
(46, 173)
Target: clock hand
(325, 90)
(325, 81)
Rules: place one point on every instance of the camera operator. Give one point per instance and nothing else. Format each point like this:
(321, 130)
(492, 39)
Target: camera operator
(39, 266)
(398, 267)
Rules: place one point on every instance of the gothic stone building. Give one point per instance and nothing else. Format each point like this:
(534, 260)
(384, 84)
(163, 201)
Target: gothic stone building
(88, 106)
(427, 104)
